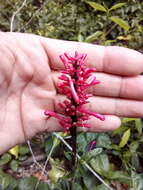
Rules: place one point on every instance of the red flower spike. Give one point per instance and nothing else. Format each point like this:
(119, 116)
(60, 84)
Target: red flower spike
(76, 79)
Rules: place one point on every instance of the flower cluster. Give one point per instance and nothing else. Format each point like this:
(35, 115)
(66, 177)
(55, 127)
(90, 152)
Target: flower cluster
(76, 79)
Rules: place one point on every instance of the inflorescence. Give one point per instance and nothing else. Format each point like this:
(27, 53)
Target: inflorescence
(76, 79)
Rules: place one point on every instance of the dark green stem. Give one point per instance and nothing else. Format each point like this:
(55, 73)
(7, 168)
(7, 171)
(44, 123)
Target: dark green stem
(73, 144)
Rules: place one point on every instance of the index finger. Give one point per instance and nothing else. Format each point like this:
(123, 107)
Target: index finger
(109, 59)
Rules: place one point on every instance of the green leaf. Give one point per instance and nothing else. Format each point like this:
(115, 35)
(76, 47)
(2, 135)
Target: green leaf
(103, 140)
(97, 6)
(116, 6)
(134, 146)
(101, 164)
(115, 147)
(135, 161)
(128, 119)
(95, 152)
(64, 185)
(7, 181)
(27, 183)
(126, 156)
(125, 138)
(137, 181)
(120, 130)
(23, 149)
(22, 157)
(123, 24)
(101, 187)
(89, 180)
(77, 186)
(83, 139)
(93, 36)
(48, 144)
(5, 159)
(55, 174)
(14, 165)
(120, 176)
(57, 171)
(43, 186)
(138, 125)
(91, 154)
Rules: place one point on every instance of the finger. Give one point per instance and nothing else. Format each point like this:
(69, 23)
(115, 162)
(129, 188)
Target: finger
(117, 86)
(116, 60)
(110, 123)
(53, 125)
(109, 106)
(116, 106)
(113, 86)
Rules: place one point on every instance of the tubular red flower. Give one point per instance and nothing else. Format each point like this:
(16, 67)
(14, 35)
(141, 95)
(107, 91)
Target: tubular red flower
(97, 115)
(88, 71)
(93, 81)
(64, 61)
(73, 91)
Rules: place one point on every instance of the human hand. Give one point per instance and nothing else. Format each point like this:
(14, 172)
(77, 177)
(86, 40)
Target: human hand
(29, 70)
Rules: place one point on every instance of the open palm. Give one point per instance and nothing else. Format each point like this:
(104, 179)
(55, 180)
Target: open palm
(29, 70)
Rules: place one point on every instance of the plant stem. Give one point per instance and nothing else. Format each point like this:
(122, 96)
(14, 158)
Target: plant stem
(86, 165)
(73, 144)
(73, 129)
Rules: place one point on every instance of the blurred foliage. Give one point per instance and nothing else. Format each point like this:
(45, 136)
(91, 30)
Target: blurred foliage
(119, 22)
(118, 156)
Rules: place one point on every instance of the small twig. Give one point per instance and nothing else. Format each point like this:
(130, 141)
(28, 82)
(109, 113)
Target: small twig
(29, 21)
(44, 168)
(110, 29)
(87, 166)
(15, 13)
(30, 160)
(33, 157)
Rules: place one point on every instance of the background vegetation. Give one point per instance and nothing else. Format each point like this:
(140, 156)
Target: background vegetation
(118, 156)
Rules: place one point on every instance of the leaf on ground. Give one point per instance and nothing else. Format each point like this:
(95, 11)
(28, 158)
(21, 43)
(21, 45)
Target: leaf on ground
(91, 154)
(137, 181)
(57, 171)
(14, 151)
(119, 176)
(23, 149)
(101, 187)
(103, 140)
(138, 125)
(101, 164)
(27, 183)
(125, 138)
(14, 165)
(5, 159)
(76, 186)
(43, 186)
(7, 181)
